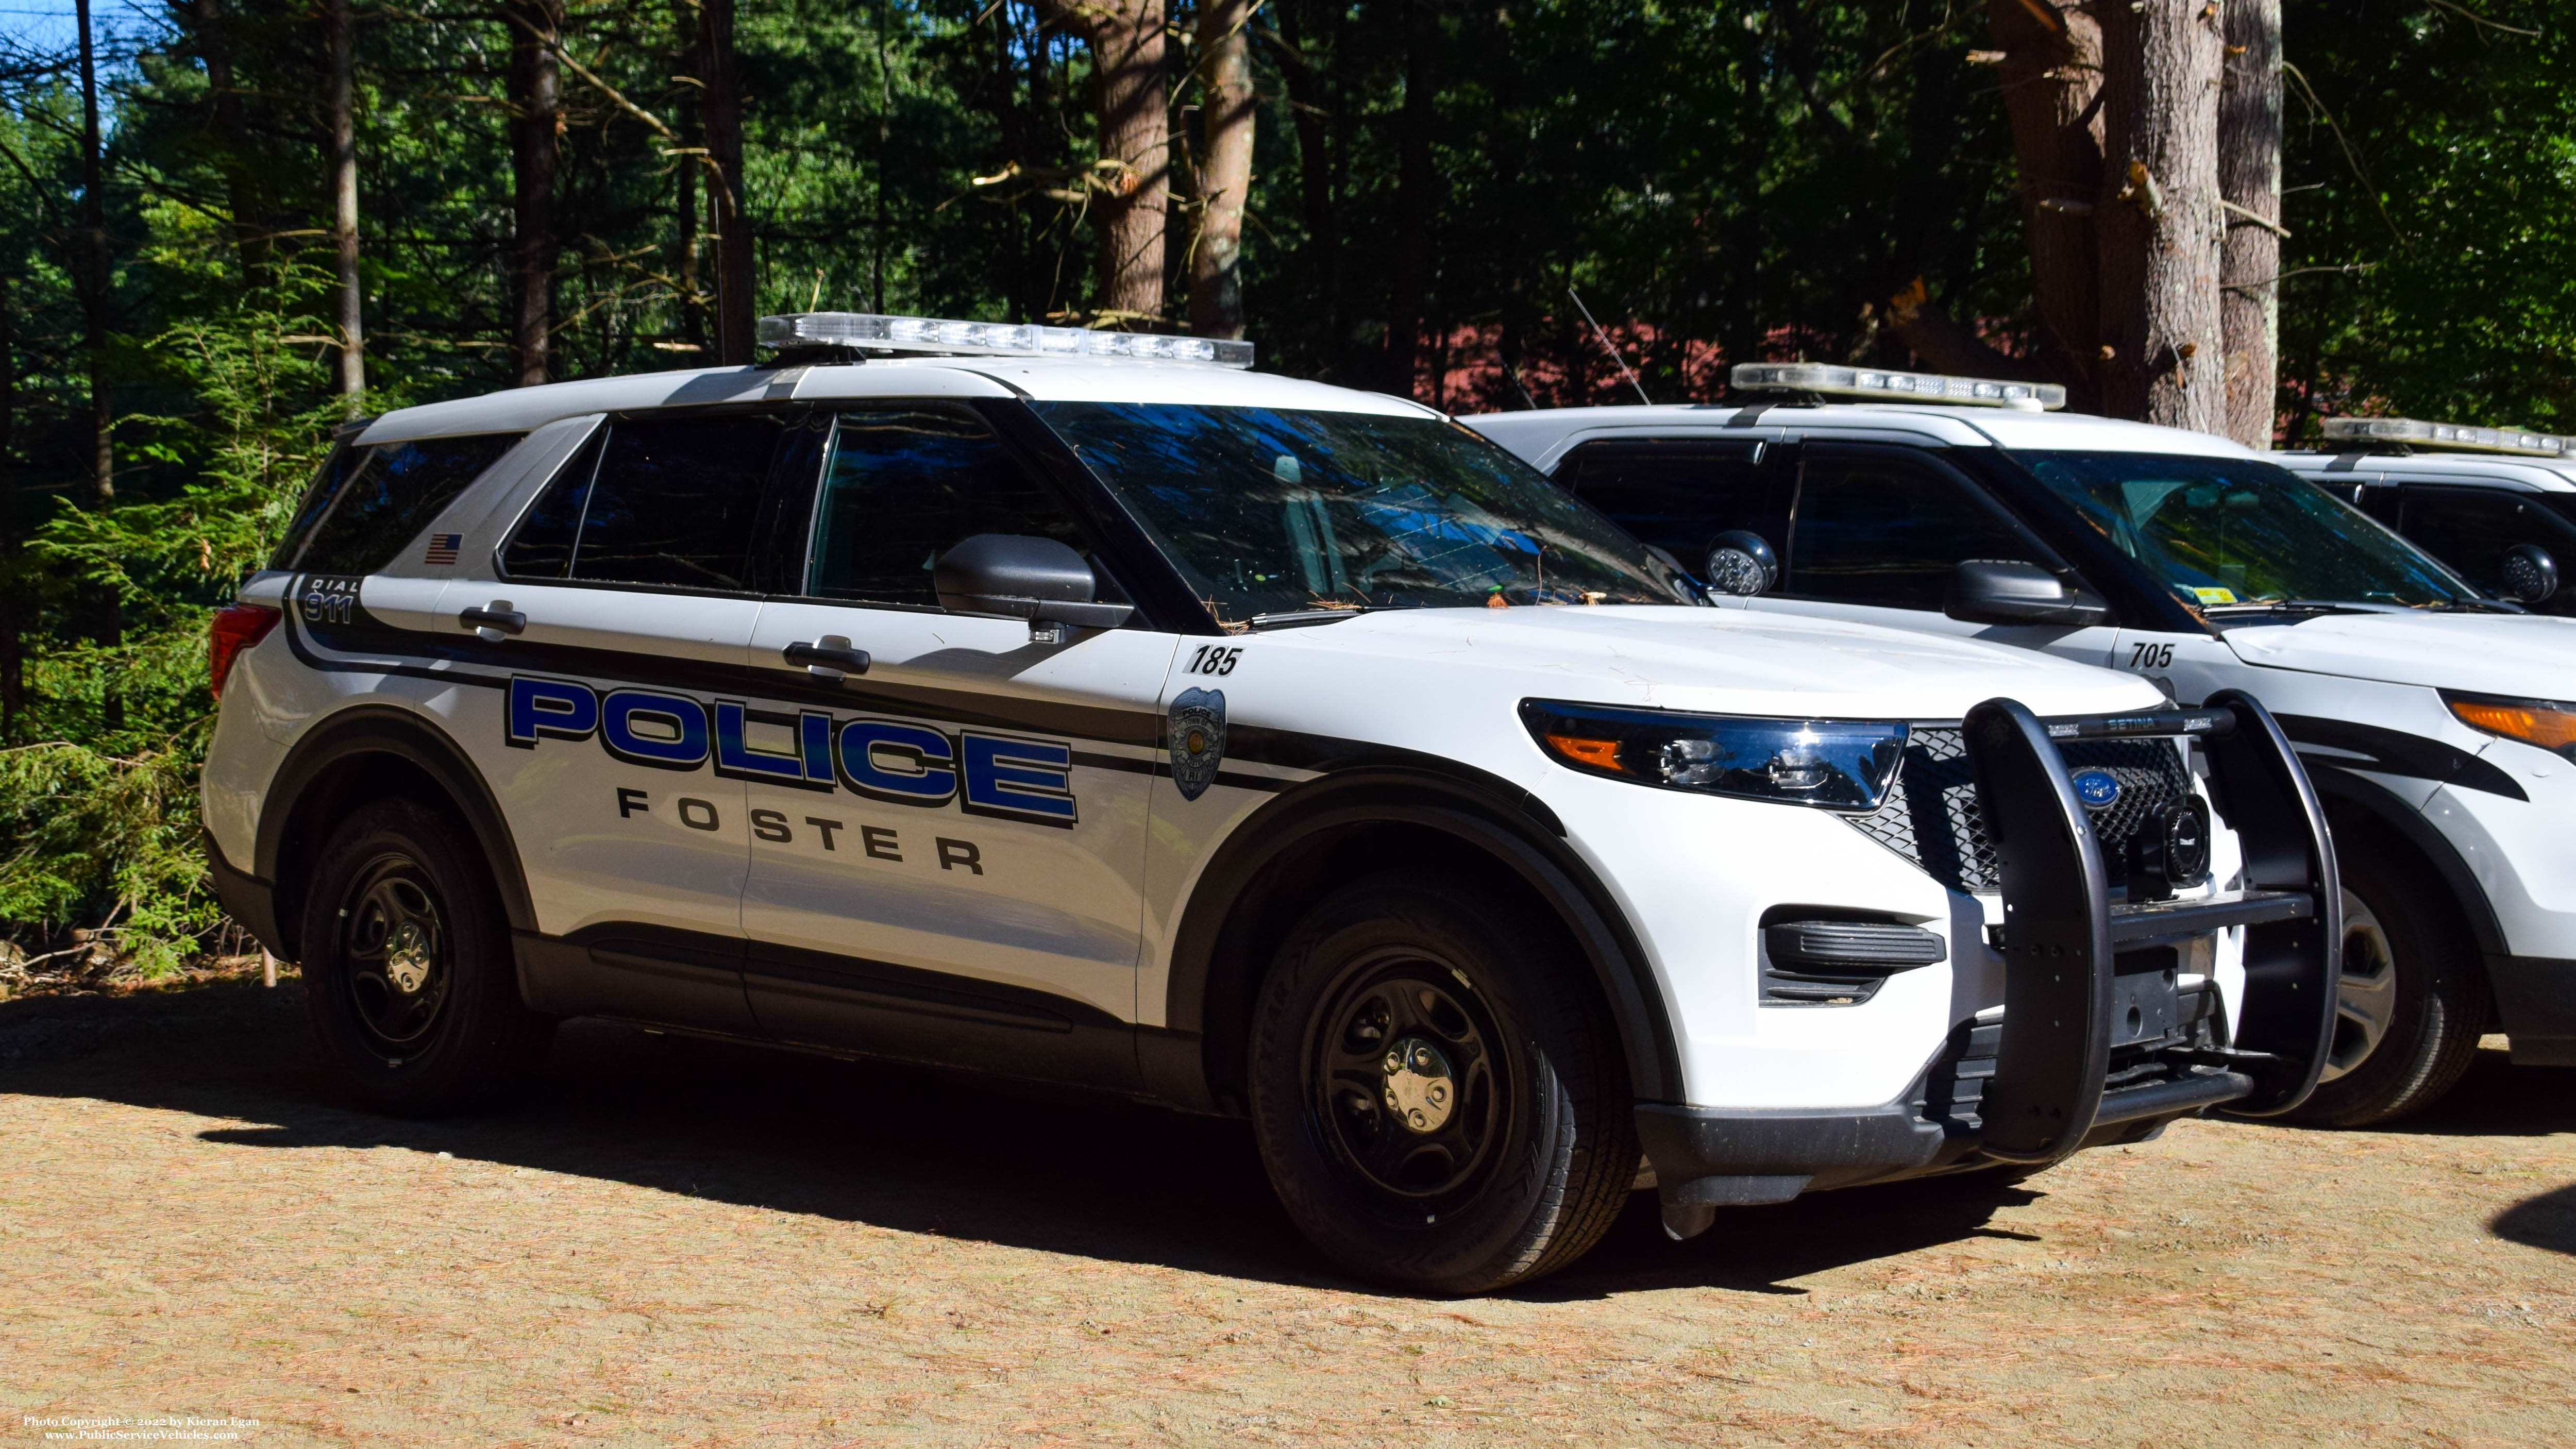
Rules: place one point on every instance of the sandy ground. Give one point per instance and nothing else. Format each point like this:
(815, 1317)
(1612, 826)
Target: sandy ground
(679, 1243)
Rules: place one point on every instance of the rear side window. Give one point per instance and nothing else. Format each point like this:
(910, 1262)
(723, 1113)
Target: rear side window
(672, 502)
(369, 502)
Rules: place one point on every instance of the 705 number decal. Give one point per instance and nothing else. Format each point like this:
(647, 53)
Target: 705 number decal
(2151, 656)
(1214, 659)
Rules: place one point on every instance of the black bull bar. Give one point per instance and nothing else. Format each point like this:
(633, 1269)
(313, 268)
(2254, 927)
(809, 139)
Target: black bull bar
(2062, 934)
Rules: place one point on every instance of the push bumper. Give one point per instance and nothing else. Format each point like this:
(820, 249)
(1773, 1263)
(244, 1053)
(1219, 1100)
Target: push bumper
(2044, 1080)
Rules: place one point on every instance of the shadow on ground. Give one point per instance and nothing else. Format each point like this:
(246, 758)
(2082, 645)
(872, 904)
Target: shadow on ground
(2499, 1099)
(904, 1149)
(2546, 1221)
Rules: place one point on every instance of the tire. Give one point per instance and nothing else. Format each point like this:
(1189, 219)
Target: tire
(408, 974)
(2412, 1003)
(1500, 1150)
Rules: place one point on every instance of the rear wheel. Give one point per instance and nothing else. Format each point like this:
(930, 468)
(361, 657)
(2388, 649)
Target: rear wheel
(2410, 1006)
(408, 974)
(1436, 1090)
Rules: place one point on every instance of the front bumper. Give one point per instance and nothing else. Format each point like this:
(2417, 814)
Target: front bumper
(2040, 1079)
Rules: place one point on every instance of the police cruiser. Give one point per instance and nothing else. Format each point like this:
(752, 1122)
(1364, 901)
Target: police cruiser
(2498, 505)
(1086, 708)
(2439, 723)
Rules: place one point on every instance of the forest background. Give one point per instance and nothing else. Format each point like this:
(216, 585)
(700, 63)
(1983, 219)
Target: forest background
(228, 225)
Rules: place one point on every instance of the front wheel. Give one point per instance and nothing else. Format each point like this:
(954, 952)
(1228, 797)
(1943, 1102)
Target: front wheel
(1437, 1091)
(2410, 1005)
(408, 974)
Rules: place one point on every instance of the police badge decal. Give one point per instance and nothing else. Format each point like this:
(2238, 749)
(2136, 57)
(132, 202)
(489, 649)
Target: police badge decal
(1198, 739)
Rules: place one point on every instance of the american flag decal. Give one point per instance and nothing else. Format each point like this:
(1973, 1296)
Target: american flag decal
(443, 547)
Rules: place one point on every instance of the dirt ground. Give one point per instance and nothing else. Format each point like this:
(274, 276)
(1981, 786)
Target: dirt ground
(682, 1243)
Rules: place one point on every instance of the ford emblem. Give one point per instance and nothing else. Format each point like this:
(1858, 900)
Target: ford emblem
(2096, 788)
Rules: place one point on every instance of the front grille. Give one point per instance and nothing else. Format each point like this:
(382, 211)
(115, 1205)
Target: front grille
(1931, 817)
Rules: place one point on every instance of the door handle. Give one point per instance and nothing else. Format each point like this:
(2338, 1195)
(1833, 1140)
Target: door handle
(493, 622)
(829, 657)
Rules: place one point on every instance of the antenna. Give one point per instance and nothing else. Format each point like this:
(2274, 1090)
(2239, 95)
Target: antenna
(1606, 347)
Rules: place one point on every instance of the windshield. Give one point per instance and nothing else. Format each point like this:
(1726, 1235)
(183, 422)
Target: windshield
(1272, 512)
(2222, 531)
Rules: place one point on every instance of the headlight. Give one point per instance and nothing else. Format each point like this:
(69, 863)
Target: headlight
(2533, 721)
(1838, 765)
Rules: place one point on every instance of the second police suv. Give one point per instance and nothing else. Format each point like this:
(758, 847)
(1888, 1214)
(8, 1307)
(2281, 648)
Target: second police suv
(1079, 707)
(2439, 722)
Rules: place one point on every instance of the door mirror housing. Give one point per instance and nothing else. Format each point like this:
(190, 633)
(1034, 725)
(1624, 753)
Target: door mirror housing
(1741, 562)
(1021, 576)
(2008, 591)
(2530, 574)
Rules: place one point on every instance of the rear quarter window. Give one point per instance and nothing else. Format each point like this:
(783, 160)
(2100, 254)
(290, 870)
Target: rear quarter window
(370, 501)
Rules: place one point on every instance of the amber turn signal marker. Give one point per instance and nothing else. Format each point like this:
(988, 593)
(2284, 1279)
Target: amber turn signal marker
(1599, 754)
(2535, 724)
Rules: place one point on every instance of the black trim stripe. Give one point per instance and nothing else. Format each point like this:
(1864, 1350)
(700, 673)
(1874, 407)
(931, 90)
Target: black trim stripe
(2393, 752)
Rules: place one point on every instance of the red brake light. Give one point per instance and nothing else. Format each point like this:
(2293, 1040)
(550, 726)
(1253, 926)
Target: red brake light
(236, 627)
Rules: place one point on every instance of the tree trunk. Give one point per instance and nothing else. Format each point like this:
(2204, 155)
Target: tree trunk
(350, 377)
(536, 125)
(2249, 178)
(2052, 88)
(1131, 216)
(736, 306)
(1225, 175)
(108, 606)
(13, 607)
(250, 219)
(2157, 215)
(1409, 262)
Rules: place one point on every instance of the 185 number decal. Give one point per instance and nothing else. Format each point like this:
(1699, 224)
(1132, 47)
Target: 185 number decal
(1214, 659)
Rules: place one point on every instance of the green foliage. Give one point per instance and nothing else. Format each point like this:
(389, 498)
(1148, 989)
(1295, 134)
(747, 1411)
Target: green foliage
(2432, 201)
(1719, 182)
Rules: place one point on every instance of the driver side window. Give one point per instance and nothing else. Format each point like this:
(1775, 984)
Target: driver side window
(1886, 526)
(904, 485)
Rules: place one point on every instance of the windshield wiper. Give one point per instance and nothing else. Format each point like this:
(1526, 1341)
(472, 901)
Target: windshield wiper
(2302, 606)
(1298, 618)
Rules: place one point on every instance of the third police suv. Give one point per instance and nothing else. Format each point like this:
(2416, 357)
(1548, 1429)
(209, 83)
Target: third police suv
(1087, 708)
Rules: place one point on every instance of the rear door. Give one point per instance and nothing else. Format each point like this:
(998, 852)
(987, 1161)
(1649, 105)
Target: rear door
(947, 848)
(630, 576)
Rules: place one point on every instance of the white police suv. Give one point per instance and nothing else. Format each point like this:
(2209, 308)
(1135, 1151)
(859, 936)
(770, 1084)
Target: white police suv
(2498, 505)
(2437, 721)
(1078, 707)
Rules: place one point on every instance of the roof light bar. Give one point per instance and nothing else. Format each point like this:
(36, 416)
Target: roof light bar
(2450, 436)
(870, 332)
(1878, 383)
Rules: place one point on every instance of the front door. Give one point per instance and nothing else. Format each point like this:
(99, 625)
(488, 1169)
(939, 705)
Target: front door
(947, 847)
(1876, 533)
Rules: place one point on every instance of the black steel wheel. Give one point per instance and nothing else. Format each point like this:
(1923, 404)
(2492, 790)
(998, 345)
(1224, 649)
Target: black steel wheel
(408, 975)
(1437, 1090)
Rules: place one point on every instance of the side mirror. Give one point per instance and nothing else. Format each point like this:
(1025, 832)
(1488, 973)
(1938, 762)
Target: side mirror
(1020, 576)
(1741, 562)
(2007, 591)
(2530, 574)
